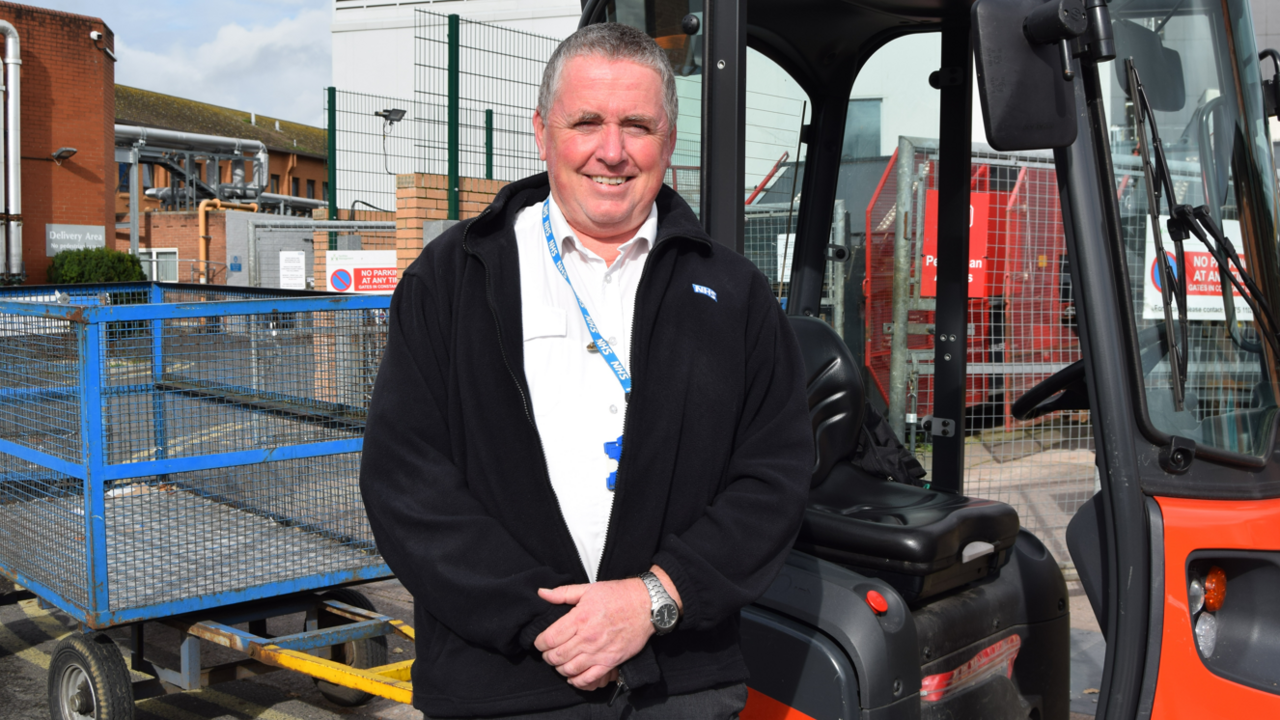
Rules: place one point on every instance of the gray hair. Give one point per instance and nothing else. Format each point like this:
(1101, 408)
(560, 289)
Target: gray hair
(614, 42)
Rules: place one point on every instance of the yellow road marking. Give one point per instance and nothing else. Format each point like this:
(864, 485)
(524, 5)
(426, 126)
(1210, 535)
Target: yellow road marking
(44, 619)
(22, 649)
(157, 706)
(245, 707)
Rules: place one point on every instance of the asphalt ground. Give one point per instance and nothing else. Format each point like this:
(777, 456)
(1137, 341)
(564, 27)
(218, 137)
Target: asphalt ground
(29, 635)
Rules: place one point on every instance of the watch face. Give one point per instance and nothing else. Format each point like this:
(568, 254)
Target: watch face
(666, 615)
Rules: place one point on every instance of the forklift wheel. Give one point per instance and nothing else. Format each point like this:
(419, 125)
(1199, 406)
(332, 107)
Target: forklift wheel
(88, 680)
(363, 654)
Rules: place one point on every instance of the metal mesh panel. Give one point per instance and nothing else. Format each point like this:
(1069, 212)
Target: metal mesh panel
(238, 382)
(42, 528)
(499, 70)
(197, 533)
(39, 384)
(370, 152)
(1021, 327)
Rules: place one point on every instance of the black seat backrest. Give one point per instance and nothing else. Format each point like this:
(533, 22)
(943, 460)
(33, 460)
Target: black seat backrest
(836, 395)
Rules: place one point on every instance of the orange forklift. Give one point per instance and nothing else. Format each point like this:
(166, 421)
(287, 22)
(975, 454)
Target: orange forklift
(902, 601)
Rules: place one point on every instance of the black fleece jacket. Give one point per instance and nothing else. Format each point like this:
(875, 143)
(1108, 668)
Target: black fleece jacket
(711, 484)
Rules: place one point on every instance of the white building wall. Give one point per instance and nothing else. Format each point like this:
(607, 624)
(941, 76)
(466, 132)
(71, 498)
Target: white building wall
(373, 42)
(373, 52)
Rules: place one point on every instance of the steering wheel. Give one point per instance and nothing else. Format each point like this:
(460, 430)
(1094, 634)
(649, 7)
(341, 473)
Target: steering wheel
(1067, 389)
(1063, 390)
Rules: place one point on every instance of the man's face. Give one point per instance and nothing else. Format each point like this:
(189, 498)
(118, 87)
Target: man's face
(607, 143)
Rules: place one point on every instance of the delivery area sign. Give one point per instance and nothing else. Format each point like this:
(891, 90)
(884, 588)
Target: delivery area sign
(361, 271)
(1204, 281)
(979, 219)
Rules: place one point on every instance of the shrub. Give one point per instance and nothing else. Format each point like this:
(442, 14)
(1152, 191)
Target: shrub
(95, 265)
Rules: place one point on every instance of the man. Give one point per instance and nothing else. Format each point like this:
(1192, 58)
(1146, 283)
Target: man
(576, 547)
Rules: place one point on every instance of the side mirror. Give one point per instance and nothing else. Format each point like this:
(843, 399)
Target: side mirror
(1271, 88)
(1024, 71)
(1161, 68)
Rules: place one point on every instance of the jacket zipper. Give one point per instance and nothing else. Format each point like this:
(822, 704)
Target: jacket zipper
(524, 399)
(626, 414)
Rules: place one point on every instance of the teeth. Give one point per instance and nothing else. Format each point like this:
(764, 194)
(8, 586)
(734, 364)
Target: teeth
(608, 180)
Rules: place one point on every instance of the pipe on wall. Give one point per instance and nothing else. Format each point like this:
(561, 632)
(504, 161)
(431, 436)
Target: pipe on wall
(203, 242)
(13, 147)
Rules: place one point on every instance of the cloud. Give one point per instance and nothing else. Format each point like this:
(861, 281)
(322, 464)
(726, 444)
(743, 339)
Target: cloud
(278, 70)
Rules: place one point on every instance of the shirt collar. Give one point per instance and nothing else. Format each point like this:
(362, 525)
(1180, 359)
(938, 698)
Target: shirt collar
(644, 236)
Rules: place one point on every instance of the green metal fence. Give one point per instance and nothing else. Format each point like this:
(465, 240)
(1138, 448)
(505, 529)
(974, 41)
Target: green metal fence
(478, 85)
(475, 90)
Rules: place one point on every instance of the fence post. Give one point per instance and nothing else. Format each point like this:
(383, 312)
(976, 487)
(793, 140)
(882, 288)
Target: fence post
(333, 162)
(902, 264)
(488, 144)
(453, 116)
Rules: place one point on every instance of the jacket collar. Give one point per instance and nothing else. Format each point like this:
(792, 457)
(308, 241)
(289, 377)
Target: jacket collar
(675, 218)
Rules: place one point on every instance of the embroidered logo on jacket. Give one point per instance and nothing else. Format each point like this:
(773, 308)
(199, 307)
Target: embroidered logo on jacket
(703, 290)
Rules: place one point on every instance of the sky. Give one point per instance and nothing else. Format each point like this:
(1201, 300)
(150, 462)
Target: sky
(272, 57)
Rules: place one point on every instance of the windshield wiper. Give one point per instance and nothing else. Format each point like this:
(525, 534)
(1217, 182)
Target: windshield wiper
(1185, 221)
(1173, 288)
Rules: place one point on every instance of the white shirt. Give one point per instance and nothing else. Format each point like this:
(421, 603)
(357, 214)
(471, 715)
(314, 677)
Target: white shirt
(578, 403)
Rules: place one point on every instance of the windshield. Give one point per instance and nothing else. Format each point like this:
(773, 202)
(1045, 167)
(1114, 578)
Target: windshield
(1198, 64)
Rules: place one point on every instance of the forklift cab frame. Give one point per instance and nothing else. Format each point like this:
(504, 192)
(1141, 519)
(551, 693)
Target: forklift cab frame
(1179, 503)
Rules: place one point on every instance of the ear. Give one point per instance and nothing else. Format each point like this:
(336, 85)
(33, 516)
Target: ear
(539, 130)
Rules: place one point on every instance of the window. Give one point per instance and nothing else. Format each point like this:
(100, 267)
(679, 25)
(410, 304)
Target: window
(275, 184)
(324, 191)
(160, 265)
(123, 184)
(861, 130)
(311, 189)
(293, 188)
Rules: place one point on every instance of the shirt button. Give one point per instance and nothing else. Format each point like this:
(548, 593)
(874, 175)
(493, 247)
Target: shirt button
(613, 341)
(608, 278)
(613, 409)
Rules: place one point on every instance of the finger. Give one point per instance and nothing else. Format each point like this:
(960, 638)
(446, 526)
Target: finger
(566, 651)
(563, 595)
(592, 678)
(558, 634)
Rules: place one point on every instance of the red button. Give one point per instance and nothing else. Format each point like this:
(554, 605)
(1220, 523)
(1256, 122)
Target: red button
(877, 602)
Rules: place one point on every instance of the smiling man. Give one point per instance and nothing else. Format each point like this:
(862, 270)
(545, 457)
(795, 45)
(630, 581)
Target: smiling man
(588, 446)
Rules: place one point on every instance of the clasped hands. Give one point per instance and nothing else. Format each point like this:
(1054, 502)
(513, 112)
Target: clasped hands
(609, 624)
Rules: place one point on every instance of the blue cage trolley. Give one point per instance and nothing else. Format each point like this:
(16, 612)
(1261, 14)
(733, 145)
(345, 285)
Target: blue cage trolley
(189, 454)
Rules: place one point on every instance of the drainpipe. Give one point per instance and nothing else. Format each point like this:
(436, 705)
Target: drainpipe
(204, 229)
(13, 150)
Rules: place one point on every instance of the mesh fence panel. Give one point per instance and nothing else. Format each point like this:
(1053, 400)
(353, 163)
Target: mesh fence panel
(1021, 328)
(499, 71)
(370, 151)
(197, 533)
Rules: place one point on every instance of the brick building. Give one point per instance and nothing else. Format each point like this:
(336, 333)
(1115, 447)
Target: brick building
(168, 242)
(67, 102)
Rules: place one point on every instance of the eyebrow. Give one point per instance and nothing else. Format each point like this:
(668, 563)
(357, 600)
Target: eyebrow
(588, 116)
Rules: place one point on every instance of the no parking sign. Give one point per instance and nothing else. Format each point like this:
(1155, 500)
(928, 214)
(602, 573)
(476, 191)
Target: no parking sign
(361, 270)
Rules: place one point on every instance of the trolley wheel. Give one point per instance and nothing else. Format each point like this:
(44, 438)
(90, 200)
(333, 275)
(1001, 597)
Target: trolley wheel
(88, 680)
(363, 654)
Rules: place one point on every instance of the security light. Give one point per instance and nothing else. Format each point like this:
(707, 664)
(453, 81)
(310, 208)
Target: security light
(391, 115)
(63, 153)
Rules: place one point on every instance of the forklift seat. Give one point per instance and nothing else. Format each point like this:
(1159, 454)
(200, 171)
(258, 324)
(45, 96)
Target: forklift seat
(923, 542)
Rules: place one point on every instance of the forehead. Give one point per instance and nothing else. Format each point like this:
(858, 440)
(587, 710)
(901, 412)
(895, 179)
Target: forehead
(594, 85)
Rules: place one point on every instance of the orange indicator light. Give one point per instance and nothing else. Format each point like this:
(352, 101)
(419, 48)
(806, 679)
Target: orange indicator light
(1215, 589)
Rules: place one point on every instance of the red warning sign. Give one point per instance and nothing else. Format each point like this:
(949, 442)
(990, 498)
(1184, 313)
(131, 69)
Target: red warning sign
(374, 279)
(979, 219)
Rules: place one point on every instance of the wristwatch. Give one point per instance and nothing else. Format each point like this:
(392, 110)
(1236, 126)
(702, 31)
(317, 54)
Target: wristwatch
(664, 612)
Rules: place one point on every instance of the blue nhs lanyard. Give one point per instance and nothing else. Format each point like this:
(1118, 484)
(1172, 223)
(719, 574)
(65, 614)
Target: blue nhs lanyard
(606, 350)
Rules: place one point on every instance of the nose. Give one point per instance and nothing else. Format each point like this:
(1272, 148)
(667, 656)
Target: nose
(611, 151)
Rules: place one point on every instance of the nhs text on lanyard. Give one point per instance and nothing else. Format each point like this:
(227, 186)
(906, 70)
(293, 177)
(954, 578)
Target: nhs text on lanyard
(612, 449)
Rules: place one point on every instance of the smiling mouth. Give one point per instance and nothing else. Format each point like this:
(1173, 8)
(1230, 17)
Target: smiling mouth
(605, 180)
